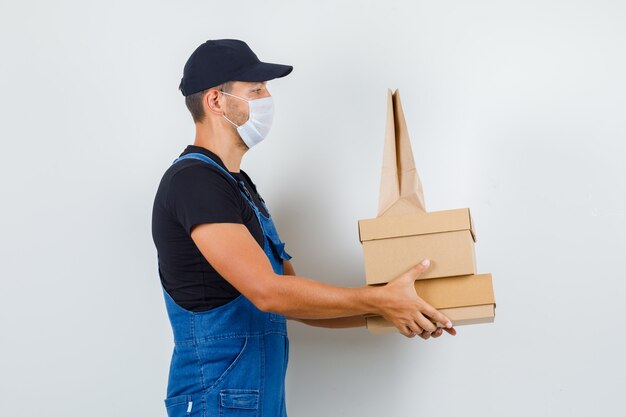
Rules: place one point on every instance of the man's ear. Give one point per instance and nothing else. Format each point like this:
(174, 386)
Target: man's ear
(212, 103)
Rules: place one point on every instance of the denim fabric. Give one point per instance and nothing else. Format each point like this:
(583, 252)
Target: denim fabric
(230, 360)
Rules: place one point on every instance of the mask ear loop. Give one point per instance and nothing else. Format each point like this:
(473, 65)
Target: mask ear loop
(231, 122)
(228, 94)
(223, 115)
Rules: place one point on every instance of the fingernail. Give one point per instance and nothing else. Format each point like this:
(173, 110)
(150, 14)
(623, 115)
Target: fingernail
(425, 262)
(449, 324)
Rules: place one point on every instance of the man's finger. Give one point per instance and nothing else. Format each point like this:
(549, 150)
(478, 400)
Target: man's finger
(415, 328)
(405, 330)
(420, 268)
(437, 316)
(424, 323)
(452, 331)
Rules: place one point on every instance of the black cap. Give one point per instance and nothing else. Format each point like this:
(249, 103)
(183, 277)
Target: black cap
(220, 60)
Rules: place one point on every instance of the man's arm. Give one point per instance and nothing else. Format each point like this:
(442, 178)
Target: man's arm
(236, 256)
(343, 322)
(336, 323)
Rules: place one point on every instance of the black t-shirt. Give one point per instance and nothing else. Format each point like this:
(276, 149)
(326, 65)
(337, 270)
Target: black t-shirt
(193, 192)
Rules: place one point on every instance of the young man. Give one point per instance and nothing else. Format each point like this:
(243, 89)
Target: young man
(227, 280)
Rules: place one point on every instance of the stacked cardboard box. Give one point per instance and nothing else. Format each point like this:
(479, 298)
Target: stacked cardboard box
(404, 233)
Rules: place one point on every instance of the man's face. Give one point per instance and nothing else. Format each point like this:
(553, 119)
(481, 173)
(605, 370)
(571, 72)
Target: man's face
(237, 109)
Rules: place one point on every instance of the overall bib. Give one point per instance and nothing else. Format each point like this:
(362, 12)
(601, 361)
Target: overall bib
(230, 360)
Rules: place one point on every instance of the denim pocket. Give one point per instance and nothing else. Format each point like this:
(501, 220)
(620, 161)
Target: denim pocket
(239, 402)
(219, 358)
(180, 406)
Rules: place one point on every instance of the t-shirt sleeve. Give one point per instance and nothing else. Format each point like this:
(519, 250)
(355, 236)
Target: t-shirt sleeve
(199, 195)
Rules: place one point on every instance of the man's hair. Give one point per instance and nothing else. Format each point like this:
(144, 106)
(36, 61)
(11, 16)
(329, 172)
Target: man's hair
(194, 101)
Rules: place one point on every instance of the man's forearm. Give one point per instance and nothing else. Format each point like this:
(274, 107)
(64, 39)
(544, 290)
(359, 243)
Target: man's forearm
(318, 304)
(336, 323)
(303, 298)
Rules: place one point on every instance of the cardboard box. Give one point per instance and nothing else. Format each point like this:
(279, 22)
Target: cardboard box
(403, 233)
(467, 299)
(393, 244)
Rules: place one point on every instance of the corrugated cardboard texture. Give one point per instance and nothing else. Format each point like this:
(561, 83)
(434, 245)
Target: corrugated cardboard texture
(450, 254)
(459, 316)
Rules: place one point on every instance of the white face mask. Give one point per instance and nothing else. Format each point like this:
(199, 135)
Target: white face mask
(260, 115)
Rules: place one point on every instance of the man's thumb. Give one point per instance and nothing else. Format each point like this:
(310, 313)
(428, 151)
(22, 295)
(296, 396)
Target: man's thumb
(420, 268)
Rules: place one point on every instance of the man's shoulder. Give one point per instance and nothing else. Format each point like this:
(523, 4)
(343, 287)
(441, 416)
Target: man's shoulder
(189, 179)
(193, 170)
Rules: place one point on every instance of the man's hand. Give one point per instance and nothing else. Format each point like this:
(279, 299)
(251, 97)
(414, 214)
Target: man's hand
(411, 315)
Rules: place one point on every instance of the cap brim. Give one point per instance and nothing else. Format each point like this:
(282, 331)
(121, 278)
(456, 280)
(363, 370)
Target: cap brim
(263, 71)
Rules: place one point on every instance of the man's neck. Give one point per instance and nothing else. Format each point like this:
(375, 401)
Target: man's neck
(224, 145)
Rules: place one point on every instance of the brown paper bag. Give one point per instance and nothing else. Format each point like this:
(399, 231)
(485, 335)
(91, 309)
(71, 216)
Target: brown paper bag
(400, 187)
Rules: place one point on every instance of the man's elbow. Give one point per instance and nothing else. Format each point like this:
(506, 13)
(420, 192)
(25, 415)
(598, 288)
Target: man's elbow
(265, 304)
(266, 297)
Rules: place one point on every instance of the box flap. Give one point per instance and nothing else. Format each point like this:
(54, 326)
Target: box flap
(416, 224)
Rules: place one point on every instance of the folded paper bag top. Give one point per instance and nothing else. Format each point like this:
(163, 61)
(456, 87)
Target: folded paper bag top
(400, 187)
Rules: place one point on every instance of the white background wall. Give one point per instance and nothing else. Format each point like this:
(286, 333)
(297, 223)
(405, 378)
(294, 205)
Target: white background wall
(516, 110)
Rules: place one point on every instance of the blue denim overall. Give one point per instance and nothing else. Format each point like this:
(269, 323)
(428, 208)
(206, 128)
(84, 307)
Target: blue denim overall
(230, 360)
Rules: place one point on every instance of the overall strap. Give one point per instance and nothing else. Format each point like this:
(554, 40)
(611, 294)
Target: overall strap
(206, 159)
